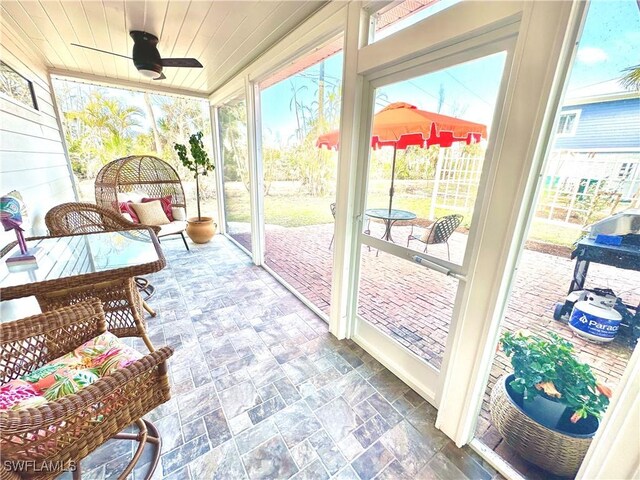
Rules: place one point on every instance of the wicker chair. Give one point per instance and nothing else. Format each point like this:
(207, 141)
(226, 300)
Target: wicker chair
(75, 217)
(41, 442)
(142, 173)
(439, 232)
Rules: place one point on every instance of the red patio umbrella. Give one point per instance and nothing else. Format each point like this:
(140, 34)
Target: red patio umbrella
(400, 124)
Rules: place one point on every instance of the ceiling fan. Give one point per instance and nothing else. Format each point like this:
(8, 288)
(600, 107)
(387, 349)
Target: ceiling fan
(146, 57)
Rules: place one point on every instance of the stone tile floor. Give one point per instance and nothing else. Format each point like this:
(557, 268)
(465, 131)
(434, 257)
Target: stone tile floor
(261, 390)
(413, 304)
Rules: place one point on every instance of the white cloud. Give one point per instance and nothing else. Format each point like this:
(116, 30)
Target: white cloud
(591, 55)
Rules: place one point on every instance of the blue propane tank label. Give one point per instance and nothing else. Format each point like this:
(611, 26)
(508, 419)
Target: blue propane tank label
(593, 325)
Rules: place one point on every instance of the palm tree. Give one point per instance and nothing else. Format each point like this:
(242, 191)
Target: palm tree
(631, 79)
(101, 131)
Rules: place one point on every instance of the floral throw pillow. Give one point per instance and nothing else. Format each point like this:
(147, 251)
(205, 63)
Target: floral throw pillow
(125, 207)
(68, 374)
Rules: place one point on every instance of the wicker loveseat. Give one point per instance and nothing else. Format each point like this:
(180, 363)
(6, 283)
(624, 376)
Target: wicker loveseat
(137, 176)
(46, 428)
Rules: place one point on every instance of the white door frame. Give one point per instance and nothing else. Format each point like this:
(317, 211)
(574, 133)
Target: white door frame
(219, 174)
(254, 141)
(423, 377)
(546, 31)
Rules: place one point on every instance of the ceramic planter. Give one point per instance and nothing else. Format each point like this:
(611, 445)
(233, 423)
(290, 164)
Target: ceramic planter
(201, 230)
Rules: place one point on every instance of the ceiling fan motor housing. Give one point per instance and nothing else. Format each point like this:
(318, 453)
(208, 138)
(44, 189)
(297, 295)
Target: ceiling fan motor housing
(145, 53)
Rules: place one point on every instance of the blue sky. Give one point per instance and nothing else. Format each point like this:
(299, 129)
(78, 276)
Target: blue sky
(609, 42)
(608, 45)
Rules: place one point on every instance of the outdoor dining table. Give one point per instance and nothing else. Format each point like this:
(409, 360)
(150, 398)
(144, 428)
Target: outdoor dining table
(71, 268)
(390, 217)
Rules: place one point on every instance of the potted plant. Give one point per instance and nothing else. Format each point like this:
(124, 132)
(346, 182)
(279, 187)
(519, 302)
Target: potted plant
(200, 229)
(549, 408)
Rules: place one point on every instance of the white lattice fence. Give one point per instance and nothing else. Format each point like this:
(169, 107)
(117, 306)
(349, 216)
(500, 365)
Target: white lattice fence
(577, 186)
(456, 181)
(580, 186)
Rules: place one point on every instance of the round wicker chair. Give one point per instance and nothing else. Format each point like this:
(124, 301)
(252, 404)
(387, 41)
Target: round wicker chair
(140, 173)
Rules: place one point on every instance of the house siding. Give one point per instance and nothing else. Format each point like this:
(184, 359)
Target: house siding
(604, 126)
(32, 154)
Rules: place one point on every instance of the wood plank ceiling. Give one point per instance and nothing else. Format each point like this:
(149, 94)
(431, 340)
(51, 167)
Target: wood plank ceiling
(224, 35)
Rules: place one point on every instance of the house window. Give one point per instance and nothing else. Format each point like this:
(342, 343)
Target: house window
(625, 170)
(568, 123)
(16, 86)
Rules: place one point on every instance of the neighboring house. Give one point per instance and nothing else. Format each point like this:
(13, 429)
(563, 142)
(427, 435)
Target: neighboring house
(598, 138)
(595, 161)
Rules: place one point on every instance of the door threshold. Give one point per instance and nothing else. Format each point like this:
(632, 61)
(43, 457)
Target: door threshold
(495, 460)
(297, 294)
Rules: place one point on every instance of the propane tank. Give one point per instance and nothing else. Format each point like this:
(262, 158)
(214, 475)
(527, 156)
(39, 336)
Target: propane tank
(594, 317)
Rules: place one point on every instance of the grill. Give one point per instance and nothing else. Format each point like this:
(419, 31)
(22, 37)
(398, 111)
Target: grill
(613, 241)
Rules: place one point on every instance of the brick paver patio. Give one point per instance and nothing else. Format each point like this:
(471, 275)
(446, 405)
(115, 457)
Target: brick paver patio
(413, 304)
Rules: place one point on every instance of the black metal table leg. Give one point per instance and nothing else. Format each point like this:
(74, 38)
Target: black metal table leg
(387, 233)
(579, 275)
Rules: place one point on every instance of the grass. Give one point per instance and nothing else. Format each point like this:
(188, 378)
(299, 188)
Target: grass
(554, 233)
(297, 210)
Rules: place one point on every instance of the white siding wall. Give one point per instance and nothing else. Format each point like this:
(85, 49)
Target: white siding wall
(32, 156)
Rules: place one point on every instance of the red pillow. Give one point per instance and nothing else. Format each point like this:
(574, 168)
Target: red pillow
(125, 207)
(165, 202)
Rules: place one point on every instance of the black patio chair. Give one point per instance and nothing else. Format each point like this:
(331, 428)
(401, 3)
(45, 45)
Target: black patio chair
(438, 232)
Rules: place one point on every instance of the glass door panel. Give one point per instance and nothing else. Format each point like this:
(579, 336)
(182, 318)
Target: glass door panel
(411, 304)
(592, 172)
(232, 118)
(299, 104)
(429, 141)
(429, 138)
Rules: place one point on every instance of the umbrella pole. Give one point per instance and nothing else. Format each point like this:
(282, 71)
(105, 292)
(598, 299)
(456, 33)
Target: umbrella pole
(393, 174)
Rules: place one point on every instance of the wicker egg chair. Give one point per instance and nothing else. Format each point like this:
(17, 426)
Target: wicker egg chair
(141, 173)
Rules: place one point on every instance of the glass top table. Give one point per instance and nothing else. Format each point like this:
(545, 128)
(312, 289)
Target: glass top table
(80, 260)
(390, 217)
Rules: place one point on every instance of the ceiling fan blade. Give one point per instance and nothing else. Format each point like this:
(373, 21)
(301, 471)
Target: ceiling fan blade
(161, 77)
(181, 62)
(101, 51)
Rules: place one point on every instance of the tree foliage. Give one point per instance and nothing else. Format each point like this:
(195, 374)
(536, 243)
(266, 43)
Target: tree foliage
(199, 163)
(101, 130)
(102, 124)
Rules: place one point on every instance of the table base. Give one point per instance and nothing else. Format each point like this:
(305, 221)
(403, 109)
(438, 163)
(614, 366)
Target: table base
(121, 302)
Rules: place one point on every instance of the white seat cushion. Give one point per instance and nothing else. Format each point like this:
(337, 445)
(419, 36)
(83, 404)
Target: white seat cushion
(179, 213)
(176, 226)
(135, 197)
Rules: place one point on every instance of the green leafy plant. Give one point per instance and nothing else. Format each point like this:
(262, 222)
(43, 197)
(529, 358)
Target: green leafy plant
(550, 367)
(199, 163)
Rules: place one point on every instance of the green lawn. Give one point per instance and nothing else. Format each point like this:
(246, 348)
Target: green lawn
(296, 210)
(557, 234)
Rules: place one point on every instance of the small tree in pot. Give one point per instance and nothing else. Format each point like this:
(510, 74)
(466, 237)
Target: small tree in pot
(202, 229)
(549, 408)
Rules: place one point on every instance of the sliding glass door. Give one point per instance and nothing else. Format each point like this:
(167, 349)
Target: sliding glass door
(232, 121)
